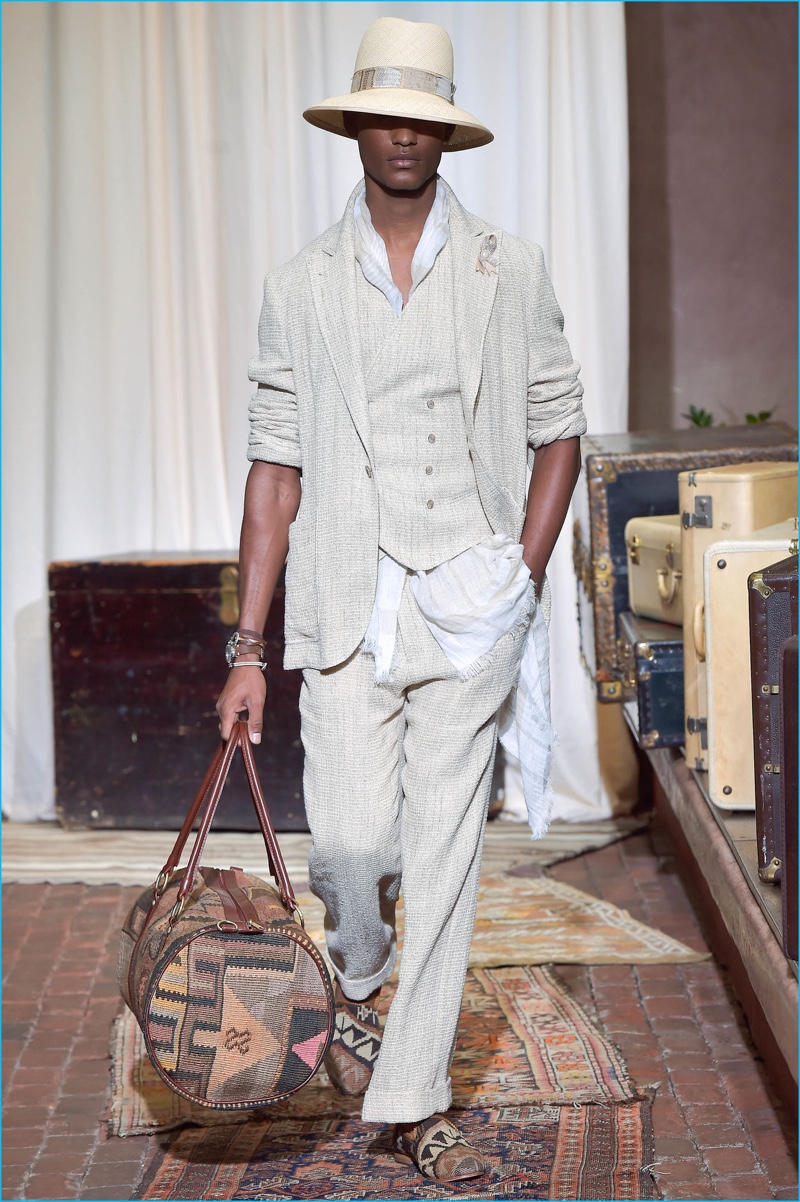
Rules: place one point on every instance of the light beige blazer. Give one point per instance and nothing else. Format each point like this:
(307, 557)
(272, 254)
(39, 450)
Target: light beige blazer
(519, 388)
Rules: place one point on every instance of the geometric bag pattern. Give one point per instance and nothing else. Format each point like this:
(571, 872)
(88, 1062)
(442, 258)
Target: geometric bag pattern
(232, 996)
(233, 1016)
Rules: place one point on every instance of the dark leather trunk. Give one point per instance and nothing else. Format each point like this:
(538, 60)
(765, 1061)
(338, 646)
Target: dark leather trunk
(788, 777)
(772, 597)
(636, 475)
(651, 654)
(138, 661)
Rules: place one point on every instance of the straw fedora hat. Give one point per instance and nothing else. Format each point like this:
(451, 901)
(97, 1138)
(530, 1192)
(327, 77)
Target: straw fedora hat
(403, 69)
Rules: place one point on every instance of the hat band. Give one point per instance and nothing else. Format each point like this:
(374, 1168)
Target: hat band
(404, 77)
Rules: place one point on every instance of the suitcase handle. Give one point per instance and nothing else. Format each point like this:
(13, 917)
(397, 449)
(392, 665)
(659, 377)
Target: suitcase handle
(209, 792)
(668, 592)
(699, 630)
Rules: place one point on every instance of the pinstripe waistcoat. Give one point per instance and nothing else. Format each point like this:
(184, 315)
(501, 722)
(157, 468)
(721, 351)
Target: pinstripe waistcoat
(519, 389)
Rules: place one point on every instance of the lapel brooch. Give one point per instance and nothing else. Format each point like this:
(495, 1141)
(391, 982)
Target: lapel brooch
(487, 256)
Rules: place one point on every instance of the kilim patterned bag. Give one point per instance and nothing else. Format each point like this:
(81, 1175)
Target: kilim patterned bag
(233, 998)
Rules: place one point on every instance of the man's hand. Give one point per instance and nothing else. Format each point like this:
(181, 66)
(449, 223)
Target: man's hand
(245, 689)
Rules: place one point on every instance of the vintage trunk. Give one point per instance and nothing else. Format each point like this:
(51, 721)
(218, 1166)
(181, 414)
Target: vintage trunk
(138, 661)
(636, 475)
(652, 657)
(773, 619)
(726, 568)
(788, 694)
(723, 502)
(654, 568)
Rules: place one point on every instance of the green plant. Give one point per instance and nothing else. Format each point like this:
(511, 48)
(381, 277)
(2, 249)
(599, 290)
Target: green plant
(763, 415)
(699, 417)
(702, 417)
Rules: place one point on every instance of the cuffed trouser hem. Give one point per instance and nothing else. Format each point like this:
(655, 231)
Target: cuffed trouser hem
(357, 990)
(405, 1105)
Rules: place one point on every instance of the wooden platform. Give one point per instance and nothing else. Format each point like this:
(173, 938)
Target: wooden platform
(743, 919)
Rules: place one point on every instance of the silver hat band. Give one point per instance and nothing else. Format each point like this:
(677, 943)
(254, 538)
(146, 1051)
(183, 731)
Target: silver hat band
(404, 77)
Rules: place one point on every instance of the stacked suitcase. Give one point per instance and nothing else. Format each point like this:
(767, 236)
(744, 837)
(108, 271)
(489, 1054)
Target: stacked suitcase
(727, 566)
(788, 792)
(635, 475)
(723, 503)
(685, 548)
(772, 595)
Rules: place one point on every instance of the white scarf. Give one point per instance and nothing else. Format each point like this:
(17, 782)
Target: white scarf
(371, 253)
(468, 603)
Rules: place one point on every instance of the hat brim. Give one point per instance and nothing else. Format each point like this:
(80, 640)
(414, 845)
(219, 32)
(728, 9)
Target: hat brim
(401, 102)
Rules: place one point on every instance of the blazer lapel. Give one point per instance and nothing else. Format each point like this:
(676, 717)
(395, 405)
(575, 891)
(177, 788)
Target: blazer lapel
(333, 285)
(473, 298)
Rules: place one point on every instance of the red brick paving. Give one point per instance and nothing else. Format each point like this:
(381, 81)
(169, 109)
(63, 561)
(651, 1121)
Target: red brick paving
(721, 1132)
(59, 999)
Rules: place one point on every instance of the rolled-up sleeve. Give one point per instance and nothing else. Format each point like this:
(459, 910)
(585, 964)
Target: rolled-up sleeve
(274, 433)
(555, 408)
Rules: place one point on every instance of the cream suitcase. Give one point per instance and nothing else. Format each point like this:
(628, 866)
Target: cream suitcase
(726, 567)
(717, 503)
(653, 546)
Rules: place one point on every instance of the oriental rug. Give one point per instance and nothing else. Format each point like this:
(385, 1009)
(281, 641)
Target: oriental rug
(538, 920)
(533, 1151)
(522, 1041)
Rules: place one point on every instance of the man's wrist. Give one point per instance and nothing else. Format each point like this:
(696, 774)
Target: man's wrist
(246, 648)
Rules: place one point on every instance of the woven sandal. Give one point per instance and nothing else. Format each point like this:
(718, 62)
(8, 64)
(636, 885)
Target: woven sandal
(354, 1047)
(438, 1150)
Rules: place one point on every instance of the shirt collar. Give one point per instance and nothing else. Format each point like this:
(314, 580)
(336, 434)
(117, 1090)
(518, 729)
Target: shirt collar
(370, 249)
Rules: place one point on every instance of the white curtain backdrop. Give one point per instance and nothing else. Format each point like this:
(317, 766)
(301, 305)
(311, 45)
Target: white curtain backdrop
(155, 165)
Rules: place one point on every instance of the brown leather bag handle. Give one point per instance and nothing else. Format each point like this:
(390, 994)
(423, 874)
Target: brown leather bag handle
(194, 809)
(276, 862)
(209, 792)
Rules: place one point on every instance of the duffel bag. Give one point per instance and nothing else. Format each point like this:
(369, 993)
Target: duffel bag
(232, 996)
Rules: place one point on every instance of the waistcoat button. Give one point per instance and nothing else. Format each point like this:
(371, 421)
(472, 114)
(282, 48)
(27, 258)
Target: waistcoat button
(429, 470)
(430, 504)
(430, 404)
(431, 438)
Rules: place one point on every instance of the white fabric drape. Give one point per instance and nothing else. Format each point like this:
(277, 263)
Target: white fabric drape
(155, 164)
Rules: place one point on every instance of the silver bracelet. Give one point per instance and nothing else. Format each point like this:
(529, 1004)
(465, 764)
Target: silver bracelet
(249, 663)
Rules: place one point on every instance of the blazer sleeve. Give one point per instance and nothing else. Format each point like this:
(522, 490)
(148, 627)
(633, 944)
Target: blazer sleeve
(555, 408)
(274, 432)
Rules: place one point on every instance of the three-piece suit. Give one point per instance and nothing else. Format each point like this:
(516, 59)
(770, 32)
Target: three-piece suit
(413, 434)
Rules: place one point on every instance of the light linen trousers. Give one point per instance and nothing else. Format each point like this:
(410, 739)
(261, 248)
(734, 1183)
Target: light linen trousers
(397, 780)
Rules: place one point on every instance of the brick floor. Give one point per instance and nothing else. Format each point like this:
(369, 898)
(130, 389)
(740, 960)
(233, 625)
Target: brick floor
(721, 1133)
(59, 998)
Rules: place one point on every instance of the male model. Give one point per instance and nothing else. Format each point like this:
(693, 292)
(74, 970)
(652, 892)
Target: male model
(411, 362)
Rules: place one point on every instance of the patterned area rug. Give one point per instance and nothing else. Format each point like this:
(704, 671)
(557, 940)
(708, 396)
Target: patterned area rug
(541, 1092)
(523, 920)
(522, 1040)
(596, 1152)
(43, 851)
